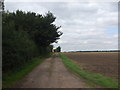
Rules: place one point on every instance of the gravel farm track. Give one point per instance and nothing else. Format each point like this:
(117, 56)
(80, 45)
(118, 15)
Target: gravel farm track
(51, 74)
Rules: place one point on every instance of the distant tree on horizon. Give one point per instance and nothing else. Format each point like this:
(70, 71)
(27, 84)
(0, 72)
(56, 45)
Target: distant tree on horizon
(58, 49)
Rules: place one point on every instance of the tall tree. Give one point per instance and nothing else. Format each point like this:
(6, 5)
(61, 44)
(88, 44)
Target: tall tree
(26, 35)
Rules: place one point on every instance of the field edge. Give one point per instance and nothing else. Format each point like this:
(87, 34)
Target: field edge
(91, 78)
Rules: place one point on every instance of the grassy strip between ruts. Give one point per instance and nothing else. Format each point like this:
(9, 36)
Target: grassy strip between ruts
(97, 79)
(9, 79)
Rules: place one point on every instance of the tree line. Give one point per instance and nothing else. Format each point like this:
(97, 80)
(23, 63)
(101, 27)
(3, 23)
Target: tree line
(26, 35)
(58, 49)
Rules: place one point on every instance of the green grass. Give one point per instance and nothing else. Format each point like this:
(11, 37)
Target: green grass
(10, 78)
(93, 78)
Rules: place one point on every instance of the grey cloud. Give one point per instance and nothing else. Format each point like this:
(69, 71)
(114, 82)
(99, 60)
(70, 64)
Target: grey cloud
(84, 25)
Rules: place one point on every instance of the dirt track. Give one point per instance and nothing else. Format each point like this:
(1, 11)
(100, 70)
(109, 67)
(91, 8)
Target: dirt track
(51, 74)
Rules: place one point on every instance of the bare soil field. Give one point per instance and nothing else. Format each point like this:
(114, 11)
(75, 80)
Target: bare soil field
(105, 63)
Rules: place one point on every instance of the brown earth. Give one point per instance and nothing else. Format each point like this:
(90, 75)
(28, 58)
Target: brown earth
(105, 63)
(51, 74)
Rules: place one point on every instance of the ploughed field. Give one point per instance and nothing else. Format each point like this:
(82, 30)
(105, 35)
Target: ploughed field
(105, 63)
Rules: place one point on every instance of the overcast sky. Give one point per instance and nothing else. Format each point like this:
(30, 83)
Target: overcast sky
(85, 25)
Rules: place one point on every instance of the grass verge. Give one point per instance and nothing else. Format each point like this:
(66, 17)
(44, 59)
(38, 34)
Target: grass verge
(94, 78)
(10, 78)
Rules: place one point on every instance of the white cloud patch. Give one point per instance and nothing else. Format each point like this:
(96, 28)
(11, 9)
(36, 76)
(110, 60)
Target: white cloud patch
(84, 24)
(61, 0)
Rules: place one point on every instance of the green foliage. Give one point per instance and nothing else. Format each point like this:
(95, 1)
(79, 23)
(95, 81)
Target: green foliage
(26, 35)
(90, 77)
(40, 28)
(17, 49)
(58, 49)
